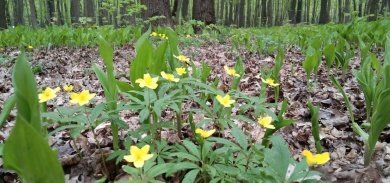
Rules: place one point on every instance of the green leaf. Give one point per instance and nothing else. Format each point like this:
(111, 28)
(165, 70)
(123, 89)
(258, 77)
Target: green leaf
(329, 52)
(192, 148)
(186, 155)
(190, 176)
(107, 53)
(159, 169)
(9, 104)
(181, 167)
(26, 102)
(139, 66)
(240, 137)
(28, 153)
(278, 157)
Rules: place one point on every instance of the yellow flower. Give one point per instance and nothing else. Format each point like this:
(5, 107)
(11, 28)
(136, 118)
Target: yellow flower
(266, 122)
(204, 133)
(231, 71)
(154, 34)
(29, 47)
(318, 159)
(48, 94)
(181, 70)
(169, 77)
(270, 82)
(148, 81)
(68, 88)
(188, 36)
(225, 100)
(182, 58)
(81, 98)
(138, 156)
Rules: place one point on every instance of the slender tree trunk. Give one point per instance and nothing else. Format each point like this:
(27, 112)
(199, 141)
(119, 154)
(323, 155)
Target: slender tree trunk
(354, 5)
(3, 17)
(360, 11)
(227, 4)
(237, 12)
(75, 11)
(50, 10)
(60, 18)
(270, 13)
(33, 13)
(298, 17)
(340, 11)
(89, 8)
(307, 16)
(324, 12)
(221, 11)
(373, 10)
(347, 11)
(313, 20)
(230, 19)
(18, 12)
(158, 8)
(249, 14)
(291, 15)
(257, 13)
(184, 10)
(241, 14)
(263, 12)
(203, 10)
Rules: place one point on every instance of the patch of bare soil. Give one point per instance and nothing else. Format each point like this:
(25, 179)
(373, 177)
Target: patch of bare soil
(58, 66)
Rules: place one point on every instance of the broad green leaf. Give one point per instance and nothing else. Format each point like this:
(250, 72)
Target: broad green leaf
(107, 53)
(240, 137)
(159, 169)
(139, 65)
(190, 176)
(192, 148)
(278, 158)
(26, 92)
(8, 106)
(329, 52)
(29, 154)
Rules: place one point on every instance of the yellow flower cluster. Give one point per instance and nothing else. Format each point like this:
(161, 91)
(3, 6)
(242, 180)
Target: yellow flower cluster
(231, 71)
(204, 133)
(155, 34)
(81, 98)
(225, 100)
(138, 156)
(316, 159)
(182, 58)
(270, 82)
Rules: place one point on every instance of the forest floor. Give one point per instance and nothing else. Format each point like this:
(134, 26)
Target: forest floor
(57, 66)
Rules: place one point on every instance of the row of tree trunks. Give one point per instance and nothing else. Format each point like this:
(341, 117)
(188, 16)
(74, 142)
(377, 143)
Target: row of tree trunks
(3, 17)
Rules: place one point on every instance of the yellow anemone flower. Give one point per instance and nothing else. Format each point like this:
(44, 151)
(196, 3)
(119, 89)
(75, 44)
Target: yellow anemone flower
(181, 70)
(68, 88)
(204, 133)
(148, 81)
(231, 71)
(270, 82)
(48, 94)
(188, 36)
(317, 159)
(169, 77)
(29, 47)
(154, 34)
(225, 100)
(81, 98)
(266, 122)
(138, 156)
(182, 58)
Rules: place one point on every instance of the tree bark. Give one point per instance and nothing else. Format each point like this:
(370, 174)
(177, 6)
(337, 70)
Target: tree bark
(89, 8)
(75, 11)
(324, 12)
(3, 17)
(307, 16)
(298, 18)
(360, 11)
(270, 13)
(313, 19)
(291, 14)
(184, 10)
(158, 8)
(249, 14)
(340, 11)
(230, 19)
(241, 14)
(373, 10)
(33, 13)
(347, 11)
(203, 10)
(263, 12)
(222, 10)
(257, 13)
(18, 12)
(227, 23)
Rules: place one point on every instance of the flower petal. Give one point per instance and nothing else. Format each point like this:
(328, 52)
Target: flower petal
(139, 164)
(129, 158)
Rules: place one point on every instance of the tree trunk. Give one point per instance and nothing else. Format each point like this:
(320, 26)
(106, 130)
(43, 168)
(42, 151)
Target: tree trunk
(184, 10)
(89, 8)
(75, 10)
(203, 10)
(230, 19)
(158, 8)
(263, 12)
(241, 14)
(313, 19)
(18, 12)
(298, 18)
(291, 14)
(221, 11)
(324, 12)
(270, 13)
(3, 17)
(249, 14)
(347, 11)
(227, 23)
(373, 10)
(33, 13)
(257, 13)
(307, 16)
(340, 11)
(360, 11)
